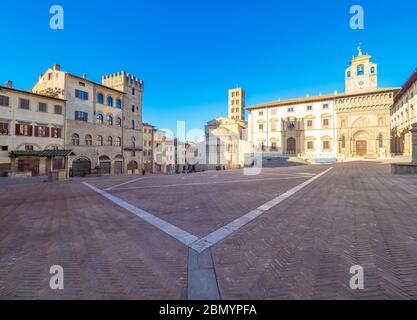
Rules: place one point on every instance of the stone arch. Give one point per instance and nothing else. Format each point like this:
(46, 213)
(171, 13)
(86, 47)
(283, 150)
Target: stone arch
(80, 166)
(361, 142)
(118, 164)
(291, 145)
(105, 164)
(22, 146)
(132, 165)
(54, 146)
(361, 122)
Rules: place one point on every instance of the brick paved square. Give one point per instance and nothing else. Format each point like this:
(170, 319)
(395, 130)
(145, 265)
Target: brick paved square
(301, 248)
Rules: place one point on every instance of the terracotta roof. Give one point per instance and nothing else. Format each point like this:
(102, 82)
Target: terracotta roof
(407, 85)
(32, 93)
(325, 97)
(93, 82)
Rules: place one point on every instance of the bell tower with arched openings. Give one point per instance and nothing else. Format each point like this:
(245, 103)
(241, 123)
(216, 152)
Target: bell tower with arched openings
(362, 75)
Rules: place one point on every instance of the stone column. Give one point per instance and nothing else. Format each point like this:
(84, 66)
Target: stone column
(414, 139)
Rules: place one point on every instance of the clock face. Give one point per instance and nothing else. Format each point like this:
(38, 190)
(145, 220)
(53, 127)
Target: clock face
(361, 83)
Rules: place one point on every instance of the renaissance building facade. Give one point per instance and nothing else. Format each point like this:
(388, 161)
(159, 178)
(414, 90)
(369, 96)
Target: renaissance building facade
(403, 115)
(103, 120)
(32, 130)
(226, 138)
(339, 126)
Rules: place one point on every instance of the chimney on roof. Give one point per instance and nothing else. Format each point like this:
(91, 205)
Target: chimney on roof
(57, 67)
(84, 76)
(9, 84)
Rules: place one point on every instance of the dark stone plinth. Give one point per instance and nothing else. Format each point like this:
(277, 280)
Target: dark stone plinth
(404, 168)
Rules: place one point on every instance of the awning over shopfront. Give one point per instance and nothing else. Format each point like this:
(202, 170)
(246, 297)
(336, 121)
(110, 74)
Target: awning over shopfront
(41, 154)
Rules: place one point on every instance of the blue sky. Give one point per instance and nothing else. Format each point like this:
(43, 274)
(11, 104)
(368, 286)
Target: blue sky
(190, 52)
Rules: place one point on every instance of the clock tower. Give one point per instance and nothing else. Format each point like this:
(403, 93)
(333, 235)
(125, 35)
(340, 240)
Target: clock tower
(362, 75)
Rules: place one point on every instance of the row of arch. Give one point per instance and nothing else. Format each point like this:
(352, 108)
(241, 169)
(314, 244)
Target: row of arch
(88, 140)
(99, 141)
(109, 120)
(400, 118)
(360, 71)
(109, 100)
(82, 165)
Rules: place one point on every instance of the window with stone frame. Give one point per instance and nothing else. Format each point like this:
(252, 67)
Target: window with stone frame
(56, 133)
(326, 145)
(41, 131)
(42, 107)
(380, 141)
(58, 109)
(4, 101)
(326, 122)
(99, 141)
(75, 139)
(81, 116)
(23, 130)
(310, 145)
(100, 118)
(24, 104)
(88, 140)
(4, 128)
(100, 98)
(110, 120)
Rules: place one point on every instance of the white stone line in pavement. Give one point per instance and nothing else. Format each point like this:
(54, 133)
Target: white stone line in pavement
(235, 225)
(209, 183)
(124, 183)
(179, 234)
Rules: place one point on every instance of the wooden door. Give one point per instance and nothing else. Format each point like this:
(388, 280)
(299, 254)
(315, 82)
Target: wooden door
(118, 167)
(361, 148)
(105, 167)
(81, 167)
(29, 164)
(291, 146)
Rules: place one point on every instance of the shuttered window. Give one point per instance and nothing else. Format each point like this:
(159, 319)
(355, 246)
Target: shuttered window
(81, 116)
(4, 101)
(43, 107)
(4, 129)
(56, 133)
(58, 109)
(23, 130)
(24, 104)
(41, 131)
(81, 94)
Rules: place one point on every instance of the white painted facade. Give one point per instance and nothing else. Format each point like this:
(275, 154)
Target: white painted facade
(311, 123)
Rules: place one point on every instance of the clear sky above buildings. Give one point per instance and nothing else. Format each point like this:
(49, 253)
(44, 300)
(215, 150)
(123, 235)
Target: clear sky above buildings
(190, 52)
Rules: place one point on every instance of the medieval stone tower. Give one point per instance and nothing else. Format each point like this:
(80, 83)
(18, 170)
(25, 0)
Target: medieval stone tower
(362, 75)
(132, 87)
(237, 104)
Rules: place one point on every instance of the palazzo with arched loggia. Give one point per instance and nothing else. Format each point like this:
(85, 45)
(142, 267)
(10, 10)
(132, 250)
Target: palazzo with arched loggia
(330, 127)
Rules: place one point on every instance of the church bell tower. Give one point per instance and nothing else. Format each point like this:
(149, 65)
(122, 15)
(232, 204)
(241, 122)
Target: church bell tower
(362, 75)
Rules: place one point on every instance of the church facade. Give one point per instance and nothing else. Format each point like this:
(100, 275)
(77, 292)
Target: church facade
(339, 126)
(226, 138)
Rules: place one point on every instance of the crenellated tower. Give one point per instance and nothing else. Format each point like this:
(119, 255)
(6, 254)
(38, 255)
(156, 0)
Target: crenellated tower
(132, 111)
